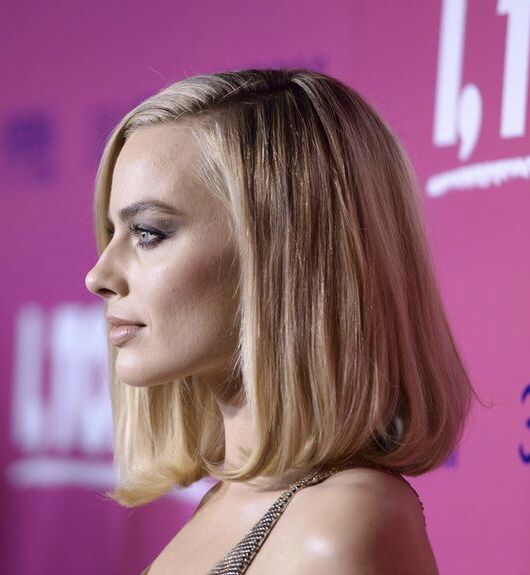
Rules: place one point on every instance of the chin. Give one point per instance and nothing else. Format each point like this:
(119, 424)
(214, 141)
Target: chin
(139, 375)
(135, 382)
(135, 375)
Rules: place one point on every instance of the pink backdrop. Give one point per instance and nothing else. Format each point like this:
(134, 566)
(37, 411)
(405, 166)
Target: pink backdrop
(449, 76)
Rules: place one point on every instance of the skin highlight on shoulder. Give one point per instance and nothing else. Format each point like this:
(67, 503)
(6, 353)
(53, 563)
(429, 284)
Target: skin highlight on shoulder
(360, 521)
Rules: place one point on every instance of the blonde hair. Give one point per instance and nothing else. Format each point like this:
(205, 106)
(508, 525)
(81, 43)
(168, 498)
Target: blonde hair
(344, 347)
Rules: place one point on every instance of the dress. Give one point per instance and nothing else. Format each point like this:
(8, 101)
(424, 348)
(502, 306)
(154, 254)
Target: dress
(238, 559)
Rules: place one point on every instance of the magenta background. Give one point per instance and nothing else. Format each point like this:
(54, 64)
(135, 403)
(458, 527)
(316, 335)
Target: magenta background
(80, 66)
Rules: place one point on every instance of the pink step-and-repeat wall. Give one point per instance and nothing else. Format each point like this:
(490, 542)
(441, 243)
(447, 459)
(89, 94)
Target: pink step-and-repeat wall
(451, 79)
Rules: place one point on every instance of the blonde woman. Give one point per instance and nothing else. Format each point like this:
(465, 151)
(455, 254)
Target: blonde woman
(275, 323)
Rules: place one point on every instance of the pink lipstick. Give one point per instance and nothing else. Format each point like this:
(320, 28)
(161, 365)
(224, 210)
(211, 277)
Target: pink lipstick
(119, 334)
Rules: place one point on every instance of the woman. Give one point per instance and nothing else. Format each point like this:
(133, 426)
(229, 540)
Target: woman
(276, 324)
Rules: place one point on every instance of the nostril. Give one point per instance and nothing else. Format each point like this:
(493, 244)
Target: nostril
(104, 292)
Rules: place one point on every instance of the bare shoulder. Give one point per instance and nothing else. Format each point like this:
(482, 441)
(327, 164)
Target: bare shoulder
(361, 520)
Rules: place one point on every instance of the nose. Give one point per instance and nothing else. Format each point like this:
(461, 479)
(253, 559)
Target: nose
(93, 284)
(104, 279)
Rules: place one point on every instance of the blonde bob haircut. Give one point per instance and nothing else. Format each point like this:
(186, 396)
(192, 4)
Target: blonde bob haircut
(344, 350)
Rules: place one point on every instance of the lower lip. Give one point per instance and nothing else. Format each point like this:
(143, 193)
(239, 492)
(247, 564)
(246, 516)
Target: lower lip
(122, 333)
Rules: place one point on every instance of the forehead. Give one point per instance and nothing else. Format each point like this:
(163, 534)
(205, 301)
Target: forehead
(157, 163)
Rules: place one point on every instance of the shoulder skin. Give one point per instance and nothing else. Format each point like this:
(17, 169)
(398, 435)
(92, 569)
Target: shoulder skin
(360, 521)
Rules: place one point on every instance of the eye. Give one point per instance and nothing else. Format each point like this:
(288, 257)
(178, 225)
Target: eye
(147, 237)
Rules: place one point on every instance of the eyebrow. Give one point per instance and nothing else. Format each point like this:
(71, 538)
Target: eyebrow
(142, 206)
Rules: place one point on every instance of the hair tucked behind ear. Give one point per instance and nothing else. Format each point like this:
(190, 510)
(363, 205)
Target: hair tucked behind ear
(345, 352)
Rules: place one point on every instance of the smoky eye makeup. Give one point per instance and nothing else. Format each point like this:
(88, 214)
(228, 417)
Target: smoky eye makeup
(147, 234)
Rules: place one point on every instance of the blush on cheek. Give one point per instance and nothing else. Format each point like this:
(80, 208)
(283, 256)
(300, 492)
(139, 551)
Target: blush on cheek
(204, 274)
(195, 315)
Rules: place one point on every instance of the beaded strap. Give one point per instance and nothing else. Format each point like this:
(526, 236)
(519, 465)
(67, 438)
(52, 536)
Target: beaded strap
(239, 558)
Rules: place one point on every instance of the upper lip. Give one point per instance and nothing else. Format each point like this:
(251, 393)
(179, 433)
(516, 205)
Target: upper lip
(115, 320)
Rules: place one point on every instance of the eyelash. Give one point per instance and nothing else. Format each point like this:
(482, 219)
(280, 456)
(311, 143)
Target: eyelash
(138, 230)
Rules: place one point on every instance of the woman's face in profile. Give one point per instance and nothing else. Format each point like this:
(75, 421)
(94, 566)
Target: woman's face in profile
(170, 269)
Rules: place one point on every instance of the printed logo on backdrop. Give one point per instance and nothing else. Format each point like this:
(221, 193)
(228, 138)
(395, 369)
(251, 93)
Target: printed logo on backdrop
(61, 424)
(524, 448)
(459, 110)
(29, 141)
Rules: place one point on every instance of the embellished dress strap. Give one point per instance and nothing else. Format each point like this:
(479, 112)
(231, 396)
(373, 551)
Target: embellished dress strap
(240, 557)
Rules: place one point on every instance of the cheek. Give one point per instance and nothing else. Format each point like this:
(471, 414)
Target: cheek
(194, 299)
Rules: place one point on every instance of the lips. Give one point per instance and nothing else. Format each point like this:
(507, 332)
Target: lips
(122, 329)
(122, 333)
(116, 320)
